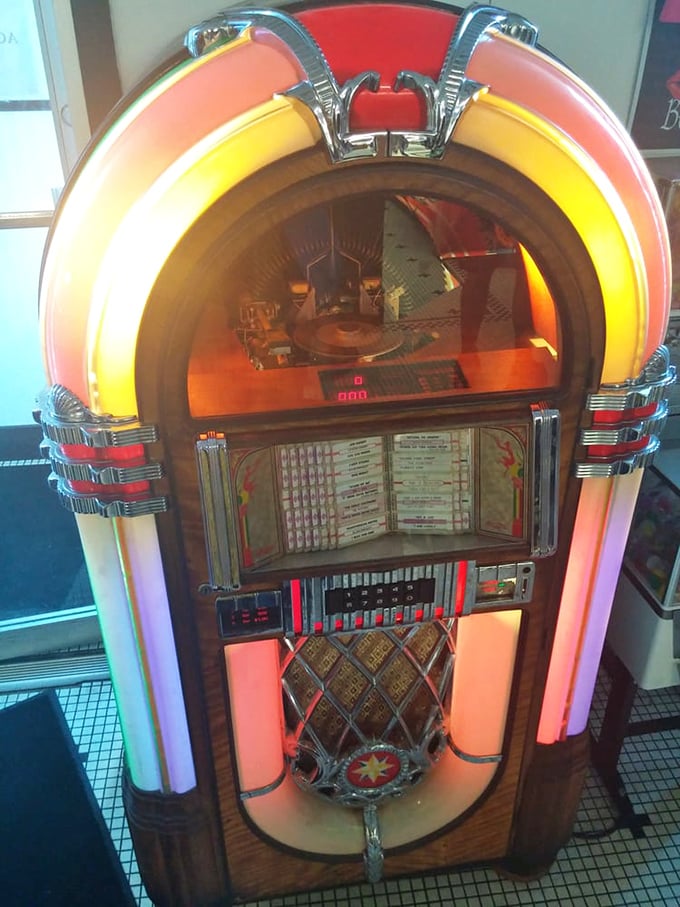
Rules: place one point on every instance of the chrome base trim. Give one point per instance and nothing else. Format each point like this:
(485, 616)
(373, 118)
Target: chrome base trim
(374, 857)
(476, 760)
(263, 791)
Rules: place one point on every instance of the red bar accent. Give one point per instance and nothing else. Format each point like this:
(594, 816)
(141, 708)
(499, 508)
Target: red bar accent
(338, 624)
(352, 37)
(104, 454)
(318, 627)
(438, 612)
(359, 622)
(610, 417)
(296, 604)
(399, 618)
(379, 620)
(420, 614)
(461, 581)
(606, 451)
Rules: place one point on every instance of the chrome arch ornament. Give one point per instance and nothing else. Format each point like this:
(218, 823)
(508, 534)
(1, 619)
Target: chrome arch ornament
(445, 99)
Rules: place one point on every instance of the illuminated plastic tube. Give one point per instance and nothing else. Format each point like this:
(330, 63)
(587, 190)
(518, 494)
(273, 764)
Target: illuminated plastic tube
(624, 494)
(551, 160)
(146, 238)
(139, 553)
(120, 641)
(74, 323)
(164, 123)
(541, 84)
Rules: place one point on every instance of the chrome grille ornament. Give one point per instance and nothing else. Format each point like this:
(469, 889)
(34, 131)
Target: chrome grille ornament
(366, 713)
(445, 99)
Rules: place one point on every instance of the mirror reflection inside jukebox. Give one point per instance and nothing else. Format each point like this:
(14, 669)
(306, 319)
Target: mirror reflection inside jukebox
(340, 549)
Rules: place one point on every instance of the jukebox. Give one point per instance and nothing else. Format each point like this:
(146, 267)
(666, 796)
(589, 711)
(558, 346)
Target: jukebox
(351, 322)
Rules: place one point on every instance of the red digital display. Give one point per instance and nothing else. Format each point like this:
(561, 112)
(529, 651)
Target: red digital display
(356, 394)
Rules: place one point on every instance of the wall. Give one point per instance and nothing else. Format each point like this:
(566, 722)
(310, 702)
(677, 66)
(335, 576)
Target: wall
(601, 40)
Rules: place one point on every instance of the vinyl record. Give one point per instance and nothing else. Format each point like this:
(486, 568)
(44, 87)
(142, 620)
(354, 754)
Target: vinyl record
(346, 337)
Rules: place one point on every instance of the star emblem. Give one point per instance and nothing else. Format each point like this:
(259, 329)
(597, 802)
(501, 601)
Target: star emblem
(373, 769)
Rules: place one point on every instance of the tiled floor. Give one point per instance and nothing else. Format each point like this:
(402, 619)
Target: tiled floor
(608, 870)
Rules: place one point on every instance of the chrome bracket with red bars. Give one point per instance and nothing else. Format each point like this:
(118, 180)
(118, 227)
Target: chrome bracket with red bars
(354, 602)
(99, 462)
(627, 420)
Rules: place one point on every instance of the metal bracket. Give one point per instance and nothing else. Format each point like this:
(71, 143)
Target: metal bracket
(99, 438)
(626, 436)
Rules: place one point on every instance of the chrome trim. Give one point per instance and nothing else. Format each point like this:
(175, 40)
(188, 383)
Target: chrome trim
(521, 575)
(65, 419)
(626, 433)
(647, 388)
(212, 458)
(617, 466)
(330, 104)
(320, 92)
(313, 592)
(77, 502)
(446, 98)
(374, 856)
(82, 471)
(546, 474)
(263, 791)
(475, 760)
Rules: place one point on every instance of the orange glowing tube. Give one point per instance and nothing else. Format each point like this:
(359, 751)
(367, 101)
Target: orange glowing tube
(541, 84)
(551, 160)
(158, 128)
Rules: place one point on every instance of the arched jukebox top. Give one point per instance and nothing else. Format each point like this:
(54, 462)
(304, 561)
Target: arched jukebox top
(395, 226)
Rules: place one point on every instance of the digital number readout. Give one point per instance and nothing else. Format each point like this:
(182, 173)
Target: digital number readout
(419, 379)
(259, 614)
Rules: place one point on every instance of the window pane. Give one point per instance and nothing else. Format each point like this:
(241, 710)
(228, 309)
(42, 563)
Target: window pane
(41, 564)
(29, 154)
(29, 161)
(22, 75)
(20, 358)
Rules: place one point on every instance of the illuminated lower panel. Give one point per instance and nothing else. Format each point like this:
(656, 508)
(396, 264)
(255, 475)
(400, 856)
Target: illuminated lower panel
(469, 757)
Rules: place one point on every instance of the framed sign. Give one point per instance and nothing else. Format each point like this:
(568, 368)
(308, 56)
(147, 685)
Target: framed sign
(655, 125)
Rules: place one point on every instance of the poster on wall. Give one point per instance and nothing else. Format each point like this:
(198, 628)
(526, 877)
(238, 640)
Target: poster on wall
(656, 118)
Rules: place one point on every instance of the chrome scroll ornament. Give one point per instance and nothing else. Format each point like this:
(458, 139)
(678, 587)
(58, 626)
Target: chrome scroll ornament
(445, 99)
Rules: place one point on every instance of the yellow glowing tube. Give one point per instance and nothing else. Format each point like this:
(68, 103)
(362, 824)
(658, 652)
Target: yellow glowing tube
(551, 160)
(536, 82)
(156, 130)
(154, 225)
